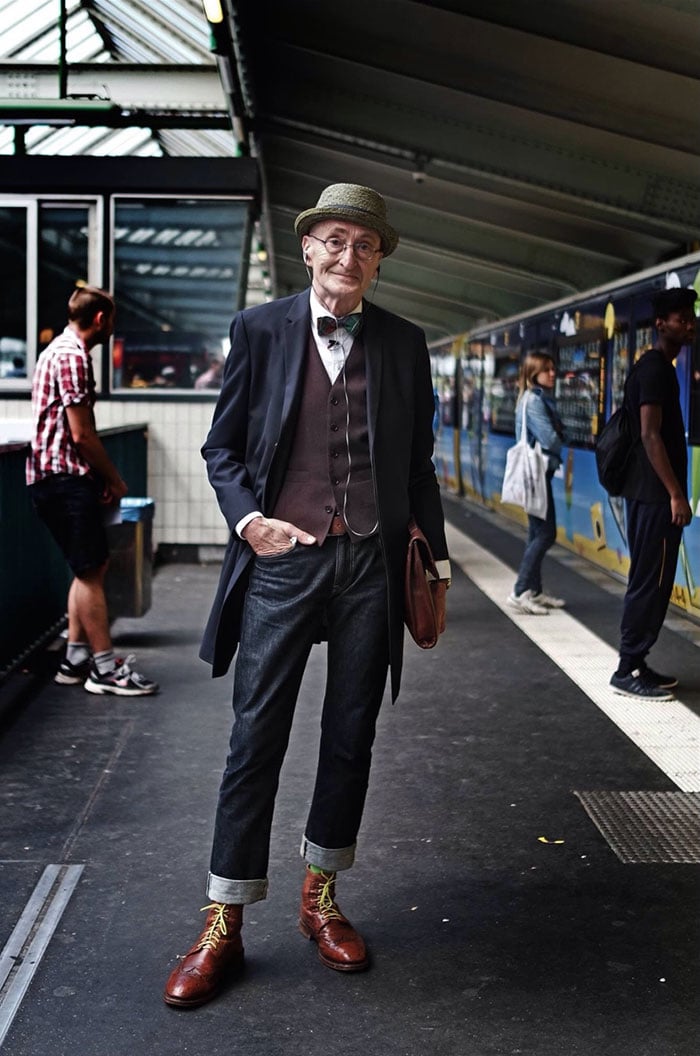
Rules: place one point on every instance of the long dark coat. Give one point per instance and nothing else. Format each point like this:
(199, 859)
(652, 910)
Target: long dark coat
(253, 428)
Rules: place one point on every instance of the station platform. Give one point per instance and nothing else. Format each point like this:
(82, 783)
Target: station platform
(527, 870)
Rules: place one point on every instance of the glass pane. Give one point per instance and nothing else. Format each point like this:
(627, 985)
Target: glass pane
(13, 303)
(176, 273)
(63, 261)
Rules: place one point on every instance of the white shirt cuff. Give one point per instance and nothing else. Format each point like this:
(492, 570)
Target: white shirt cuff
(245, 520)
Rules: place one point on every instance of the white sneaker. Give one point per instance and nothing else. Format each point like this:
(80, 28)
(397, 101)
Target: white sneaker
(548, 601)
(527, 602)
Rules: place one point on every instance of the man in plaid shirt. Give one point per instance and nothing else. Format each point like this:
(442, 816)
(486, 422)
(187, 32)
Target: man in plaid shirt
(72, 482)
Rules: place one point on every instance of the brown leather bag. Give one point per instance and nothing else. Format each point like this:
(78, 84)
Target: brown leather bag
(419, 604)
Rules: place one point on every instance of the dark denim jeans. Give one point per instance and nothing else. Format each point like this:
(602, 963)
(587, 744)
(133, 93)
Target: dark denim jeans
(338, 590)
(542, 534)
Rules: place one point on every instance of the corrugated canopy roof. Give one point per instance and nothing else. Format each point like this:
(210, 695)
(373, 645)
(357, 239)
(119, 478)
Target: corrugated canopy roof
(525, 150)
(154, 55)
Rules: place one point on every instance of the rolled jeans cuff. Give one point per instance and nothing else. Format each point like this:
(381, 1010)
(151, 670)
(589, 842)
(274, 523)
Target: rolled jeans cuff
(330, 859)
(235, 892)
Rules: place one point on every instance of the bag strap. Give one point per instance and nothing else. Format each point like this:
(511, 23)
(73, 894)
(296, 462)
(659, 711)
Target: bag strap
(523, 421)
(625, 402)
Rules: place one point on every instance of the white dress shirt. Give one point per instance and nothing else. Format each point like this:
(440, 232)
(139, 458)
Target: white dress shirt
(335, 348)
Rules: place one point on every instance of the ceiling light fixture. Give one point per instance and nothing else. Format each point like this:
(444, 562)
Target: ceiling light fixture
(212, 9)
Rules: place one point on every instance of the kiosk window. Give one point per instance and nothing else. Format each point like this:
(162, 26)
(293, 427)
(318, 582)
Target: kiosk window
(177, 271)
(13, 303)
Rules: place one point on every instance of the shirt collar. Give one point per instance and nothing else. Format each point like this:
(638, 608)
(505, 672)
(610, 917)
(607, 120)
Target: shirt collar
(317, 309)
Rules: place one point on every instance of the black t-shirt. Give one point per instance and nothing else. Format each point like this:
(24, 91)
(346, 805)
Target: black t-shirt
(654, 380)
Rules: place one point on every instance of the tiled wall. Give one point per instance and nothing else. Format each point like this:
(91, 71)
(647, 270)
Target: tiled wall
(186, 508)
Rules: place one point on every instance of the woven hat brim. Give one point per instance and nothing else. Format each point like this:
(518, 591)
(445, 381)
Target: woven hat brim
(386, 232)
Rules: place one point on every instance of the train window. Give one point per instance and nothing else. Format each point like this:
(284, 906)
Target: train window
(471, 377)
(501, 389)
(619, 368)
(177, 272)
(578, 387)
(442, 363)
(643, 339)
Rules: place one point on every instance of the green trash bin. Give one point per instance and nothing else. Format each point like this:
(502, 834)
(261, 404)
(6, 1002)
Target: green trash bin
(130, 573)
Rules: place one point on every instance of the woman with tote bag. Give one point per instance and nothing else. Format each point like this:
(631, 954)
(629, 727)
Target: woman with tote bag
(543, 425)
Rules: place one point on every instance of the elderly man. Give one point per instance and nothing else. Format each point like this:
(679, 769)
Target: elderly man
(319, 451)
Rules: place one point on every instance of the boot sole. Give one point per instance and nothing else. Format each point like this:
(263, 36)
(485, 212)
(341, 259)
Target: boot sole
(359, 966)
(662, 697)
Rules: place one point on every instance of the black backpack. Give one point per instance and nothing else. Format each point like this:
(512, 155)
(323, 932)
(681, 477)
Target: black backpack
(614, 446)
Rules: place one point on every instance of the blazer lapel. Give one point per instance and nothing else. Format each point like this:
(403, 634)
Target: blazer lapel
(374, 353)
(296, 336)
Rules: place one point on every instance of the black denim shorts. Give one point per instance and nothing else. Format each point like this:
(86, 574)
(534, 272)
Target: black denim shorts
(70, 508)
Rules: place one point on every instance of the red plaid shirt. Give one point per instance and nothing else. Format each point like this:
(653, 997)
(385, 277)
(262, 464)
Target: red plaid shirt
(63, 378)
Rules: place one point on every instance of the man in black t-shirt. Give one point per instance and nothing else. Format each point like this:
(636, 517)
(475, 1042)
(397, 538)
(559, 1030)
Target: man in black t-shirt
(656, 497)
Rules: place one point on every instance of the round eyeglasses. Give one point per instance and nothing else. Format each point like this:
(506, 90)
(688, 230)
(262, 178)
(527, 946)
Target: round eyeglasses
(335, 246)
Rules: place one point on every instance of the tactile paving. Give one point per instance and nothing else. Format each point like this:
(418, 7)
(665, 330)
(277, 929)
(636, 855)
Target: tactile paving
(647, 826)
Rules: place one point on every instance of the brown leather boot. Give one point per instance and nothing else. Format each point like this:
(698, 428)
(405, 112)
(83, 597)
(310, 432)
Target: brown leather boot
(339, 945)
(216, 955)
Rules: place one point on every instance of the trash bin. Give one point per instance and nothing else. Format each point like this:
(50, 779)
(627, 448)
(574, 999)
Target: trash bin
(130, 572)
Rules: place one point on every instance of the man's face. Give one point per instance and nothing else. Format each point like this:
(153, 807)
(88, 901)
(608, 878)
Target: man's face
(341, 279)
(678, 327)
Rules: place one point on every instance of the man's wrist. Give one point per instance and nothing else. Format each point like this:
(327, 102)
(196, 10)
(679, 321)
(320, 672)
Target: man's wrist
(244, 522)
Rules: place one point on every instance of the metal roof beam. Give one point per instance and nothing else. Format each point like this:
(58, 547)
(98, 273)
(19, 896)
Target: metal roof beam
(149, 85)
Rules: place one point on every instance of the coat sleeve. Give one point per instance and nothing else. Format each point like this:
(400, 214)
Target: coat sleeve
(424, 490)
(224, 449)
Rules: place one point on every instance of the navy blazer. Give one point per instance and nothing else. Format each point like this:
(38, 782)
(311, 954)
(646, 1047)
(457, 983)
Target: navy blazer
(253, 427)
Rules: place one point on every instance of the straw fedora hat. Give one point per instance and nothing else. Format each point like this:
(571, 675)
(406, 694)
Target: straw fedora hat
(358, 205)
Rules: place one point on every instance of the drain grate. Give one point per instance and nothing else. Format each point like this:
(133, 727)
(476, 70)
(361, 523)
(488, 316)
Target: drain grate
(647, 826)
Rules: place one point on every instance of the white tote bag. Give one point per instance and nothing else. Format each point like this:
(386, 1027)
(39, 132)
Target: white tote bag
(525, 477)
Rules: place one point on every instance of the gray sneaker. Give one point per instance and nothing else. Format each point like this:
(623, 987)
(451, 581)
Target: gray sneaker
(527, 603)
(121, 682)
(549, 601)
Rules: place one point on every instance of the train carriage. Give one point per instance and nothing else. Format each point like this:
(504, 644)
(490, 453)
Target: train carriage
(593, 338)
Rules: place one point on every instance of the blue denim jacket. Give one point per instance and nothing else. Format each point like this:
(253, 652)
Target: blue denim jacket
(543, 424)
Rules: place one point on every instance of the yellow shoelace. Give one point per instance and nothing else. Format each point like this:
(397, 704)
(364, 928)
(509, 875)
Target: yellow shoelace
(217, 929)
(326, 898)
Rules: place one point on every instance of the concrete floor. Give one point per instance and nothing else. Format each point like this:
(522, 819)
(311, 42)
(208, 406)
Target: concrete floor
(485, 940)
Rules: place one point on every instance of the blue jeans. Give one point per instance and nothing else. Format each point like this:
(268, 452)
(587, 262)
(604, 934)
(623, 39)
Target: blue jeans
(336, 591)
(541, 534)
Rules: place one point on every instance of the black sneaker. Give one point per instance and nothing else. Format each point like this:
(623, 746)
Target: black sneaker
(72, 674)
(656, 679)
(121, 682)
(638, 685)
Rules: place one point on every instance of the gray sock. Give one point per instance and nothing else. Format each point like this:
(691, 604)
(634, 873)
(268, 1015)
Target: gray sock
(105, 662)
(77, 653)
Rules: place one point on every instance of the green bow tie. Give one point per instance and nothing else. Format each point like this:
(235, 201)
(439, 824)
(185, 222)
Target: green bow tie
(328, 325)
